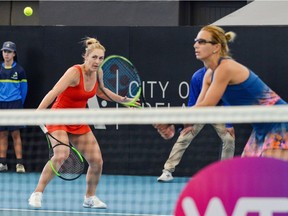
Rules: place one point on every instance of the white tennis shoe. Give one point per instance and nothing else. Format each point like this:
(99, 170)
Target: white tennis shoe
(20, 168)
(35, 200)
(94, 202)
(3, 167)
(165, 177)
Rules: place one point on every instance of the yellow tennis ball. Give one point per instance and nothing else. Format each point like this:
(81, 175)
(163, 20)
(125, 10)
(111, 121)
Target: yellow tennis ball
(28, 11)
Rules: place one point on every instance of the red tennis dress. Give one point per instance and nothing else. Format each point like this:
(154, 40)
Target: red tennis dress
(73, 97)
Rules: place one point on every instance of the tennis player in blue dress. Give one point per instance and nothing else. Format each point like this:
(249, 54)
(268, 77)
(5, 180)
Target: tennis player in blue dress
(237, 85)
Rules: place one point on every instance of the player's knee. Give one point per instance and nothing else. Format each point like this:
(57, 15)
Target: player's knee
(228, 139)
(60, 157)
(4, 134)
(95, 161)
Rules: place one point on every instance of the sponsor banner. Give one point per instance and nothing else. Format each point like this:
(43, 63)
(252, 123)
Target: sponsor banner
(238, 187)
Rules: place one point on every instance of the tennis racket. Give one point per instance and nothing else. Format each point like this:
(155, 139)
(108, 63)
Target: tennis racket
(121, 77)
(73, 166)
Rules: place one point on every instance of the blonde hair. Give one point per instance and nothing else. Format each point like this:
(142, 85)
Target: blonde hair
(91, 44)
(220, 36)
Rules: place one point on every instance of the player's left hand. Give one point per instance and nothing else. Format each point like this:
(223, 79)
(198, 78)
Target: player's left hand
(187, 129)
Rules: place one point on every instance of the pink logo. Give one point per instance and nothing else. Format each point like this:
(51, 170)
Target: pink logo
(248, 186)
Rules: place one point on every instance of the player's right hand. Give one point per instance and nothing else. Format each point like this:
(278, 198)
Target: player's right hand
(167, 131)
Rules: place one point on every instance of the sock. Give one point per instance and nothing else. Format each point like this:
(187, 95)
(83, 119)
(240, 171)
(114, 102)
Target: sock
(19, 161)
(3, 161)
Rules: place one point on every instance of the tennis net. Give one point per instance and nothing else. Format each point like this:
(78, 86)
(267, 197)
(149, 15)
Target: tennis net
(133, 153)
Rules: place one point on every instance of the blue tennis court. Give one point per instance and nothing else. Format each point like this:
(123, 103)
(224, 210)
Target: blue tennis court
(124, 195)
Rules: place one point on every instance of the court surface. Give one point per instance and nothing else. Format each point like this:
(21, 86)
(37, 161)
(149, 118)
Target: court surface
(124, 195)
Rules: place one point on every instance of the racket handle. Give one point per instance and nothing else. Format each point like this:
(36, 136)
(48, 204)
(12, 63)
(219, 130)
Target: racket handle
(43, 128)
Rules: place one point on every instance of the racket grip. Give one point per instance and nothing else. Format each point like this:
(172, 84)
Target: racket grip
(43, 128)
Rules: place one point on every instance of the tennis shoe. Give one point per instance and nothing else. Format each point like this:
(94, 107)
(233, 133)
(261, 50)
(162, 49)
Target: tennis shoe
(35, 200)
(165, 177)
(3, 167)
(94, 202)
(20, 168)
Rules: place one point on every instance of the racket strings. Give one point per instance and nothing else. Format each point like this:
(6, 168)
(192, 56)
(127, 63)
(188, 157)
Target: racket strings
(72, 167)
(121, 77)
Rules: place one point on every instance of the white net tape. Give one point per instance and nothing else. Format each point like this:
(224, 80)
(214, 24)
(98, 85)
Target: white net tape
(241, 114)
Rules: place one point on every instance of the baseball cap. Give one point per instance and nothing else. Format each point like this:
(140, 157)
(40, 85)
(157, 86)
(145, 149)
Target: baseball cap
(9, 45)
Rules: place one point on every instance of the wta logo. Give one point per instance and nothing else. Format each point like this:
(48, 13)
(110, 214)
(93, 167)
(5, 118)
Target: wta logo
(237, 187)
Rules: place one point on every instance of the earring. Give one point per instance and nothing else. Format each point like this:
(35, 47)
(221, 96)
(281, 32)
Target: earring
(213, 52)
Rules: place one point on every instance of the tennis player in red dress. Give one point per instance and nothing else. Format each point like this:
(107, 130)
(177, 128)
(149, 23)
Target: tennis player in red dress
(74, 88)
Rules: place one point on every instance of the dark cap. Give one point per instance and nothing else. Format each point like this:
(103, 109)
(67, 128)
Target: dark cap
(9, 45)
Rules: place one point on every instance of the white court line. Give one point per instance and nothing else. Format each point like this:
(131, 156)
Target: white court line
(75, 212)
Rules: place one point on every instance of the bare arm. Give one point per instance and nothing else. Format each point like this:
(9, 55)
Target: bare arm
(213, 92)
(70, 78)
(205, 85)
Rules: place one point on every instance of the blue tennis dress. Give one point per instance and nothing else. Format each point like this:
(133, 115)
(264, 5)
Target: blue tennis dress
(254, 91)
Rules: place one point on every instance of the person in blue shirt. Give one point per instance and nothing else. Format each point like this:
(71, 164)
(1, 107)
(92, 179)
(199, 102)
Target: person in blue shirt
(225, 132)
(13, 91)
(234, 83)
